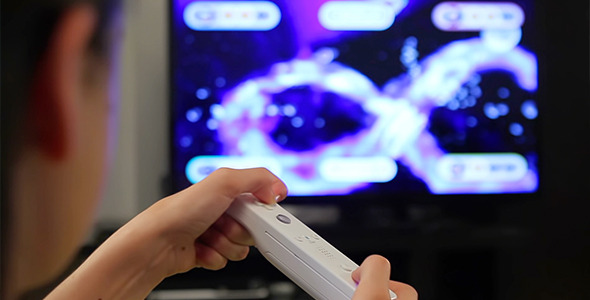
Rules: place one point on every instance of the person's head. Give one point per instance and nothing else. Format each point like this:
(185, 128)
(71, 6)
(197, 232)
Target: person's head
(56, 111)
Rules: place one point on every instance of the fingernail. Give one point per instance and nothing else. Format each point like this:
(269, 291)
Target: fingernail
(278, 190)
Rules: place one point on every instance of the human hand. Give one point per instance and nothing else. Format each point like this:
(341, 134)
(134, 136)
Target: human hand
(374, 284)
(195, 227)
(186, 230)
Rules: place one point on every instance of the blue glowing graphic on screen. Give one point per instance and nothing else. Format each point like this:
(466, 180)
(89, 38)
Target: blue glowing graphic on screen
(343, 97)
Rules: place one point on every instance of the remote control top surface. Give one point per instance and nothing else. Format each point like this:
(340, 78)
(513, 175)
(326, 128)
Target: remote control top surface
(302, 255)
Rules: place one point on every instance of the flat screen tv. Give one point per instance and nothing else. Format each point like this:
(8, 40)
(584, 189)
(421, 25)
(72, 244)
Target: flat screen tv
(358, 98)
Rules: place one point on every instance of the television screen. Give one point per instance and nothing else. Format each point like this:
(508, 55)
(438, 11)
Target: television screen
(357, 97)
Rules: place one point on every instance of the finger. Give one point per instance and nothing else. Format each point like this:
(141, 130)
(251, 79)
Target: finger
(233, 230)
(403, 291)
(373, 278)
(198, 207)
(220, 243)
(259, 181)
(208, 258)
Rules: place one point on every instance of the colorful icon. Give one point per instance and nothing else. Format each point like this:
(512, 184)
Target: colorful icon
(232, 15)
(477, 16)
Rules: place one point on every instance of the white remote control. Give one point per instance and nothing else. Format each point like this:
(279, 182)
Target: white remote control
(308, 260)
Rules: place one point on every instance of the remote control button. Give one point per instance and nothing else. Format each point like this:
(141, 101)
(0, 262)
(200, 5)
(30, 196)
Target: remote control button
(267, 206)
(305, 238)
(346, 268)
(283, 219)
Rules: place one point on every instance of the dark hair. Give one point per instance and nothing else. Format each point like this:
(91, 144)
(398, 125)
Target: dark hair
(27, 26)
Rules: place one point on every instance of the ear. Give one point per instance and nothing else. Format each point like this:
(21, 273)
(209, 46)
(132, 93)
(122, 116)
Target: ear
(58, 81)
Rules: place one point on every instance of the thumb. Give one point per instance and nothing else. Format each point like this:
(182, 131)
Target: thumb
(372, 278)
(259, 181)
(208, 199)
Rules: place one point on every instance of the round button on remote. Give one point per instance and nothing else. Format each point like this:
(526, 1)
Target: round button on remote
(283, 219)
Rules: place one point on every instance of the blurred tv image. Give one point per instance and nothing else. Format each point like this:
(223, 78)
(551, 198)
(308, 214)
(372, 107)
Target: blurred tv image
(357, 97)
